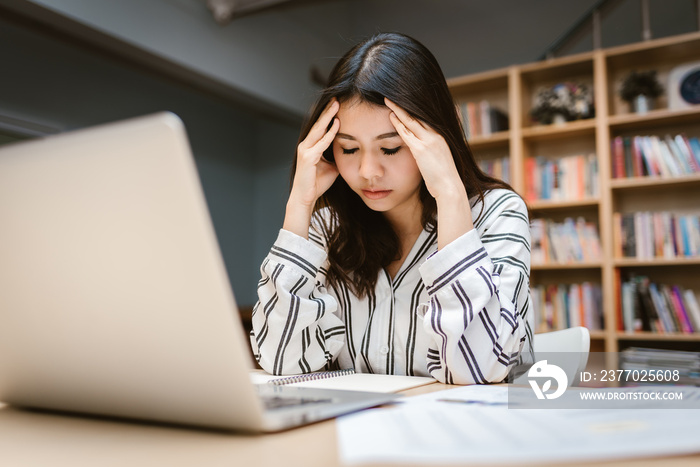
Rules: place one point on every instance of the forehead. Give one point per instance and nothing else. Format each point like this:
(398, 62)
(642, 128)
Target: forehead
(361, 116)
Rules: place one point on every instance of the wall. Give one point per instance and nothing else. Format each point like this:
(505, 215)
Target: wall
(266, 57)
(57, 85)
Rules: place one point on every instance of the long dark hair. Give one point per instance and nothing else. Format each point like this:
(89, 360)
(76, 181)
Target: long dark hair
(361, 242)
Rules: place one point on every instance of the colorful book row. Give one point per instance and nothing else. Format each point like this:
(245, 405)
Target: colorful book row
(498, 168)
(561, 179)
(647, 306)
(481, 118)
(560, 306)
(564, 242)
(639, 156)
(648, 235)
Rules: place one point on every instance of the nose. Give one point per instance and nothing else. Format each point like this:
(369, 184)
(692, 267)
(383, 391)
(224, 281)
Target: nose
(370, 166)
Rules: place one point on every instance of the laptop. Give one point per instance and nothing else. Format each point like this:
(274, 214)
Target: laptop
(114, 298)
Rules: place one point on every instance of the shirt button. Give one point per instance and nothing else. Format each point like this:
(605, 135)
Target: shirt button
(384, 350)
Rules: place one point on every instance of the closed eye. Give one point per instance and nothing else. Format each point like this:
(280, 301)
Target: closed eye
(350, 151)
(391, 151)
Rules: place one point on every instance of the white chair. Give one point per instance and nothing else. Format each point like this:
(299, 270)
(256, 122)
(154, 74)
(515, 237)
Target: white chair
(567, 348)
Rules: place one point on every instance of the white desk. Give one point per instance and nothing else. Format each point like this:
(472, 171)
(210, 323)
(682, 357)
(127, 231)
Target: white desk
(29, 439)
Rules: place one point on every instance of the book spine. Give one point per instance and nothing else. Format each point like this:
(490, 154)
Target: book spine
(694, 144)
(681, 312)
(530, 169)
(692, 307)
(676, 325)
(485, 115)
(560, 306)
(618, 157)
(627, 154)
(684, 146)
(678, 155)
(627, 302)
(649, 166)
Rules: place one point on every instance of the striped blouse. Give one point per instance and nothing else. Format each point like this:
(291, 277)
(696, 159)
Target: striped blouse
(461, 314)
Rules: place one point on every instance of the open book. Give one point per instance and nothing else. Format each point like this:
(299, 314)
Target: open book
(346, 380)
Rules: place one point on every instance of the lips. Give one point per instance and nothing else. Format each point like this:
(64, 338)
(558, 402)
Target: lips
(376, 194)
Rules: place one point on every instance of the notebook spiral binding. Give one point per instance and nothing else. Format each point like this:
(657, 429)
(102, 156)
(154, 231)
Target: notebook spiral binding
(311, 376)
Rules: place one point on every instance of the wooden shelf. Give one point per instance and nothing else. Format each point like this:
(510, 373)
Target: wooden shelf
(516, 87)
(544, 205)
(654, 118)
(597, 335)
(633, 262)
(653, 336)
(557, 131)
(683, 47)
(653, 182)
(479, 82)
(560, 266)
(559, 68)
(500, 138)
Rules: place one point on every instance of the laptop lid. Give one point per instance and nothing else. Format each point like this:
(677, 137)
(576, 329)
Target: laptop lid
(114, 298)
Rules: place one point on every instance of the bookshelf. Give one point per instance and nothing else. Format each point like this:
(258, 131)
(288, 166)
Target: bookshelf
(514, 90)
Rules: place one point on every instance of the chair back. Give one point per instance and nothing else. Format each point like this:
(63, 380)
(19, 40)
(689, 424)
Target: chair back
(567, 348)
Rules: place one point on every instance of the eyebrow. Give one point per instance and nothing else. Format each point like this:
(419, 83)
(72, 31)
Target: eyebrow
(382, 136)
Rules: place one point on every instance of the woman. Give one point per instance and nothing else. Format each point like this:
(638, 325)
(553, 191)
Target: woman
(397, 255)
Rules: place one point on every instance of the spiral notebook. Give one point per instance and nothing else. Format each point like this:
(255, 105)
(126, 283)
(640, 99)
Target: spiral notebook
(346, 380)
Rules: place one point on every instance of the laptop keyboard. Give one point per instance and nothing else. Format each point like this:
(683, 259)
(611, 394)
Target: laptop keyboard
(277, 402)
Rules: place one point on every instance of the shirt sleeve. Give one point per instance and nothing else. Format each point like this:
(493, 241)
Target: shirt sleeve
(478, 315)
(294, 328)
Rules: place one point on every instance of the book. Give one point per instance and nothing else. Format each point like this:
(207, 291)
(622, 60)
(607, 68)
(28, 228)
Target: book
(561, 178)
(560, 306)
(498, 167)
(627, 154)
(618, 157)
(499, 120)
(668, 156)
(686, 364)
(694, 144)
(646, 310)
(647, 235)
(640, 169)
(628, 299)
(485, 115)
(346, 380)
(679, 155)
(666, 321)
(692, 307)
(672, 306)
(659, 308)
(684, 320)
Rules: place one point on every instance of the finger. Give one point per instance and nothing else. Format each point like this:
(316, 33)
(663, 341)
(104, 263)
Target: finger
(405, 133)
(327, 139)
(416, 126)
(319, 128)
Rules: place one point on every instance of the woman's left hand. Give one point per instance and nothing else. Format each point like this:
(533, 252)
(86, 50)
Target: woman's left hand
(436, 165)
(432, 154)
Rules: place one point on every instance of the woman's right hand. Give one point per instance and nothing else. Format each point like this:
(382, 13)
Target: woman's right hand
(314, 175)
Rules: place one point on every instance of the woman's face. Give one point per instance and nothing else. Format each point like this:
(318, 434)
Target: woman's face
(374, 160)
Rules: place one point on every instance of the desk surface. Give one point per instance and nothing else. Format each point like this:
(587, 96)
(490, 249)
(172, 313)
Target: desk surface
(30, 439)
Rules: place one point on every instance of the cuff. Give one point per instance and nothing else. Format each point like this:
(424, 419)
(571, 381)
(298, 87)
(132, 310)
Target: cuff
(291, 249)
(447, 263)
